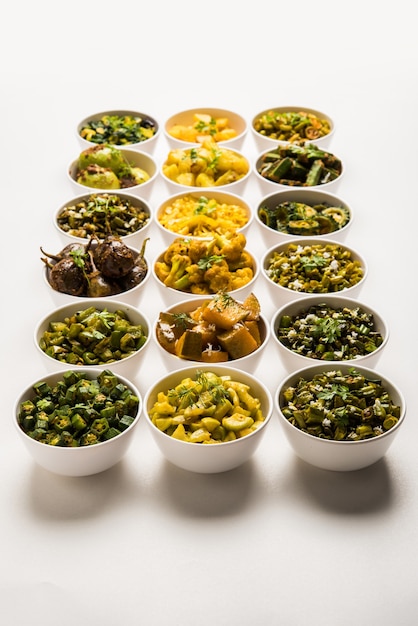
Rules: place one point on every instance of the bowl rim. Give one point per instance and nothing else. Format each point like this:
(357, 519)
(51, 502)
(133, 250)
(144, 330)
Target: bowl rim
(301, 191)
(292, 109)
(313, 241)
(90, 374)
(212, 192)
(306, 301)
(99, 303)
(305, 373)
(96, 116)
(180, 373)
(194, 303)
(136, 201)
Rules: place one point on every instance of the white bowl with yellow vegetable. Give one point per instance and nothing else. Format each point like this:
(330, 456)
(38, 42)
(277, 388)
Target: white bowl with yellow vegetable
(193, 126)
(216, 329)
(206, 165)
(202, 213)
(210, 419)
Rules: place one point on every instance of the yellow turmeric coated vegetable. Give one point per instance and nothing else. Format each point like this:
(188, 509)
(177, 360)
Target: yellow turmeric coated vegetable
(207, 409)
(203, 126)
(205, 165)
(202, 216)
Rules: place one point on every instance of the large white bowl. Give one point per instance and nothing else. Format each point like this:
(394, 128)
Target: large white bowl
(269, 186)
(148, 145)
(249, 362)
(131, 296)
(186, 118)
(82, 460)
(127, 366)
(208, 458)
(340, 456)
(264, 142)
(281, 295)
(135, 158)
(309, 196)
(132, 239)
(171, 295)
(221, 197)
(293, 361)
(236, 187)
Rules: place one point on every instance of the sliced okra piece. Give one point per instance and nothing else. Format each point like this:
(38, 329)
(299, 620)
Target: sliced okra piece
(315, 173)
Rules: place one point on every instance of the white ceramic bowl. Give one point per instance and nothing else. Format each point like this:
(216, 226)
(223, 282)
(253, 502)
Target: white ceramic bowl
(135, 158)
(132, 239)
(131, 296)
(268, 186)
(272, 115)
(329, 454)
(208, 458)
(81, 460)
(189, 223)
(171, 295)
(282, 294)
(310, 197)
(248, 362)
(185, 123)
(293, 360)
(146, 121)
(127, 366)
(181, 157)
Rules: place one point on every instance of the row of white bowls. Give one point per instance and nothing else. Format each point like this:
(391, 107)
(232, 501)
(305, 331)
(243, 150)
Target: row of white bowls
(186, 117)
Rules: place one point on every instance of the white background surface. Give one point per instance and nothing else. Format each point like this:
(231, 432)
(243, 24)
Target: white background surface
(275, 542)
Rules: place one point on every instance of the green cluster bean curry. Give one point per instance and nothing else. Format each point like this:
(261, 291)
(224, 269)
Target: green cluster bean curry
(78, 411)
(293, 126)
(314, 268)
(338, 406)
(92, 337)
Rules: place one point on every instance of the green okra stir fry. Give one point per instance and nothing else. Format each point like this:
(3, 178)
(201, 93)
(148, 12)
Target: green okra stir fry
(293, 126)
(118, 130)
(100, 215)
(92, 337)
(300, 166)
(314, 268)
(340, 406)
(78, 411)
(299, 218)
(330, 333)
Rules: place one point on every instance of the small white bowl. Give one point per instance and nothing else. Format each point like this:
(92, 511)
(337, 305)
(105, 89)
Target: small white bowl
(187, 119)
(310, 197)
(329, 454)
(282, 294)
(181, 156)
(130, 296)
(147, 145)
(136, 159)
(268, 186)
(171, 295)
(236, 203)
(81, 460)
(127, 366)
(249, 362)
(132, 239)
(208, 458)
(293, 360)
(264, 142)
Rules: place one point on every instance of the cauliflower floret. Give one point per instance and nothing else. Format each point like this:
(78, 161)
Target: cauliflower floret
(241, 277)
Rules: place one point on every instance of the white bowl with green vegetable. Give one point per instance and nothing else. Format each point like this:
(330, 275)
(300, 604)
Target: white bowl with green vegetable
(78, 423)
(340, 417)
(106, 168)
(308, 265)
(100, 333)
(302, 212)
(122, 128)
(105, 213)
(209, 419)
(324, 328)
